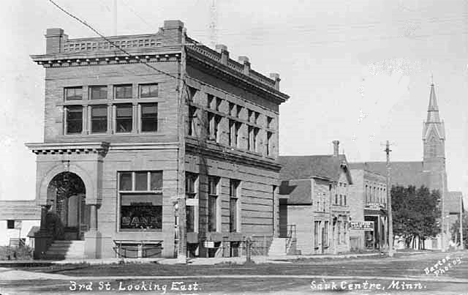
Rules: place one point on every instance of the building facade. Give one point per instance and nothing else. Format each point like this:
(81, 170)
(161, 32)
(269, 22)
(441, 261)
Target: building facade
(142, 129)
(316, 193)
(368, 207)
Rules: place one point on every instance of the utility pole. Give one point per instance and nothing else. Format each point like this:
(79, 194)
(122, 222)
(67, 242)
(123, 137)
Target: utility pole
(462, 246)
(442, 237)
(182, 226)
(389, 203)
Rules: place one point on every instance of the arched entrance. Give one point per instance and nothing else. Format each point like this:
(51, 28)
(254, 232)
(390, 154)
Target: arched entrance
(69, 216)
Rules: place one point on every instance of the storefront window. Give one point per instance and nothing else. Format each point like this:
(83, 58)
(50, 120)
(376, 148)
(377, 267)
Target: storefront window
(140, 200)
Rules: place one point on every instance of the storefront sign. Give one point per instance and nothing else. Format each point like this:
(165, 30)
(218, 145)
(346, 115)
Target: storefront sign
(374, 206)
(209, 244)
(362, 225)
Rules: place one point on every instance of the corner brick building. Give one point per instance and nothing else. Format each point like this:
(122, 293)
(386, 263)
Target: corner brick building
(129, 130)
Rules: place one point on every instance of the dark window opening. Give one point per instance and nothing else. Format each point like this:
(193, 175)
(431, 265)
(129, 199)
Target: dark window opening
(124, 118)
(74, 119)
(149, 117)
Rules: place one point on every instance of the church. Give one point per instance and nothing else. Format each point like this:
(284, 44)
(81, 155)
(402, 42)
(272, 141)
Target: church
(430, 172)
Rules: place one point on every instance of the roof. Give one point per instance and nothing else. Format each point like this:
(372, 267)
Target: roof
(307, 167)
(452, 202)
(401, 173)
(299, 191)
(20, 210)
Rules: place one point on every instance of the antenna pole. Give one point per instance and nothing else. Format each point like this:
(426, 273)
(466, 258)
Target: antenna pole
(115, 18)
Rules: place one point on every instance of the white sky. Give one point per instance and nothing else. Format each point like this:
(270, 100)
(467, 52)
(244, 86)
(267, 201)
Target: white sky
(356, 71)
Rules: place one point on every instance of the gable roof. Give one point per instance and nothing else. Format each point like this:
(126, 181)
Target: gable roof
(401, 173)
(307, 167)
(20, 210)
(452, 202)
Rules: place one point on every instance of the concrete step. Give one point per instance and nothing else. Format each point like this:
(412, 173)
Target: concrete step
(62, 249)
(277, 247)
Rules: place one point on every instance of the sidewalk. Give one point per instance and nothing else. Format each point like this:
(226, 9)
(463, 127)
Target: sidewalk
(172, 261)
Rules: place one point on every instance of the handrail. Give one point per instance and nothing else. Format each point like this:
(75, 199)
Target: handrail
(291, 236)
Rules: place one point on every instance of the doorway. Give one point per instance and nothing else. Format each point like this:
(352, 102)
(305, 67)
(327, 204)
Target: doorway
(69, 216)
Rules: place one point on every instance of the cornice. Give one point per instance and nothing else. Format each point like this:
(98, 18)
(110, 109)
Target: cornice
(100, 148)
(221, 153)
(225, 72)
(104, 58)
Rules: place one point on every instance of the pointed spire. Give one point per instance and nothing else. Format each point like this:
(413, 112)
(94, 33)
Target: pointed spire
(433, 109)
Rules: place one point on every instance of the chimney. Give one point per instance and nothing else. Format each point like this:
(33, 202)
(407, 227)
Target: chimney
(172, 31)
(336, 147)
(245, 61)
(276, 77)
(224, 53)
(55, 38)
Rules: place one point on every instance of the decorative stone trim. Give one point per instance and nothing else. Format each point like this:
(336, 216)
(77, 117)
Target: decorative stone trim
(69, 61)
(100, 148)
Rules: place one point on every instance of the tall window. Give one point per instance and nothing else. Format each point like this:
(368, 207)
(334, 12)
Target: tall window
(191, 121)
(339, 232)
(234, 187)
(191, 194)
(141, 200)
(98, 92)
(98, 119)
(268, 144)
(232, 126)
(269, 122)
(124, 118)
(73, 93)
(149, 117)
(256, 132)
(250, 139)
(123, 91)
(74, 115)
(325, 235)
(239, 112)
(236, 136)
(149, 90)
(316, 233)
(212, 203)
(213, 126)
(232, 109)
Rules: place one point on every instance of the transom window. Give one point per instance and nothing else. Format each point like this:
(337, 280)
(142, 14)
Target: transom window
(73, 93)
(123, 91)
(149, 90)
(141, 200)
(98, 92)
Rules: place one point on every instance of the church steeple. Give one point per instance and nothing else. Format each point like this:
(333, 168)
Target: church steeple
(433, 109)
(433, 136)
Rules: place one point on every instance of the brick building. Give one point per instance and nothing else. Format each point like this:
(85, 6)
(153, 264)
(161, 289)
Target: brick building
(314, 199)
(368, 203)
(134, 122)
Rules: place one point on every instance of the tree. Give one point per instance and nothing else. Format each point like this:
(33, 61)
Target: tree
(455, 230)
(415, 213)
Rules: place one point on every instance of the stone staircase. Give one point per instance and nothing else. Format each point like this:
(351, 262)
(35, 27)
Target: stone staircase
(65, 250)
(277, 247)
